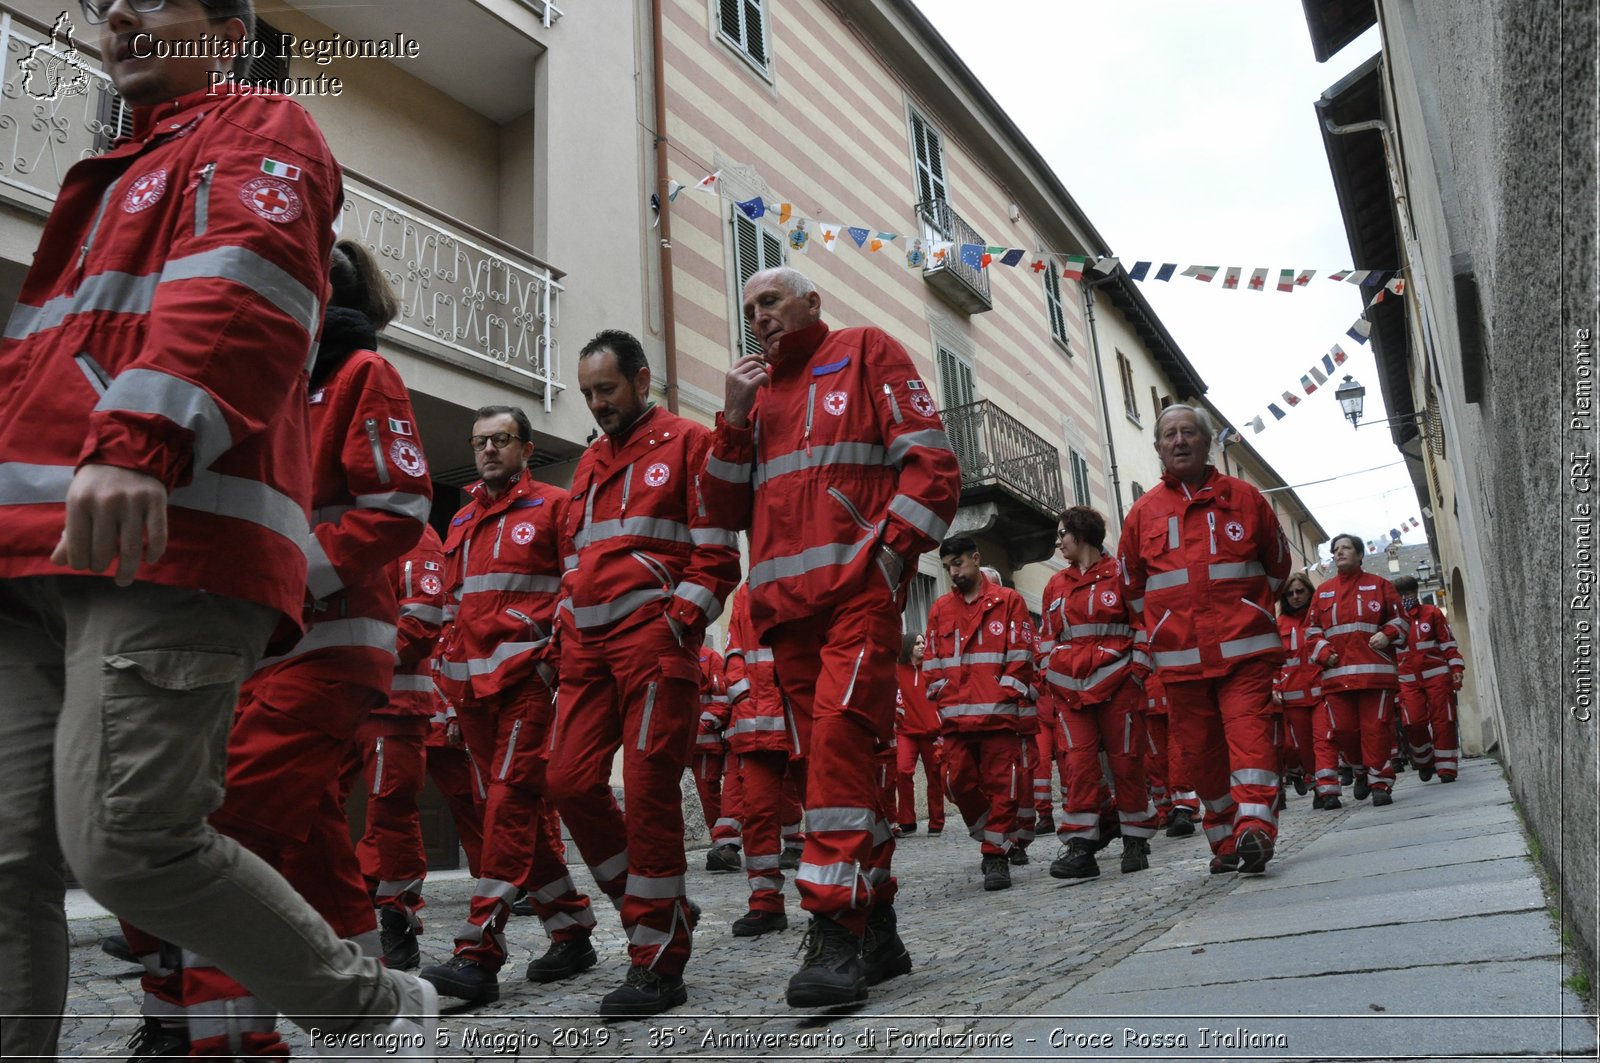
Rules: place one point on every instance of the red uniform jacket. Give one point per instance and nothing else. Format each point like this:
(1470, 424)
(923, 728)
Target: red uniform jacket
(1202, 568)
(164, 327)
(419, 584)
(979, 661)
(503, 571)
(1088, 624)
(371, 495)
(843, 451)
(1346, 611)
(1155, 703)
(1299, 681)
(638, 542)
(915, 714)
(1431, 650)
(713, 704)
(759, 722)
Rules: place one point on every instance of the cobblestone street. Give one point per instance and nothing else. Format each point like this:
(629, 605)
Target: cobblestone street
(1392, 933)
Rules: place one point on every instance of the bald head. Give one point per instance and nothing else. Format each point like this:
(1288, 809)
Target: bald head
(778, 302)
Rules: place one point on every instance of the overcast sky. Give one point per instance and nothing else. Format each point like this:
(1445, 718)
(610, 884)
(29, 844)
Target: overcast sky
(1186, 133)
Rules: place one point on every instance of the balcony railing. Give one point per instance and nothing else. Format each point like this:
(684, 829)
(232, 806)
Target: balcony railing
(963, 286)
(997, 450)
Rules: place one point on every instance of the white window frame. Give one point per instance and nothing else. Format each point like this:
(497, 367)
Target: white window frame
(740, 44)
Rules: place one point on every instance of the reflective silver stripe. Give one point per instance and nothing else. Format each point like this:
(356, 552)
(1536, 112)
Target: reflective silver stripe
(975, 658)
(1291, 662)
(551, 891)
(495, 889)
(406, 504)
(1253, 644)
(1426, 644)
(409, 683)
(752, 724)
(244, 267)
(919, 516)
(1220, 805)
(230, 1018)
(1014, 656)
(460, 671)
(183, 403)
(1162, 580)
(322, 580)
(700, 598)
(1078, 631)
(658, 528)
(758, 656)
(428, 614)
(1014, 684)
(569, 562)
(1046, 645)
(1348, 629)
(1237, 570)
(1094, 679)
(502, 653)
(564, 920)
(399, 886)
(932, 438)
(644, 936)
(111, 292)
(727, 471)
(738, 690)
(354, 633)
(1253, 777)
(515, 582)
(763, 882)
(934, 664)
(950, 712)
(829, 454)
(818, 819)
(1358, 669)
(247, 500)
(805, 561)
(1175, 658)
(610, 868)
(644, 718)
(1173, 538)
(761, 863)
(714, 537)
(844, 874)
(655, 889)
(22, 484)
(1429, 673)
(588, 616)
(1254, 811)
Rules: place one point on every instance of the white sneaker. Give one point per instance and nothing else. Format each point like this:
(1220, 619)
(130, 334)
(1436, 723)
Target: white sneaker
(409, 1035)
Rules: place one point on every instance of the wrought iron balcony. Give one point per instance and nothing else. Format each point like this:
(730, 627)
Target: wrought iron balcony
(964, 287)
(1006, 463)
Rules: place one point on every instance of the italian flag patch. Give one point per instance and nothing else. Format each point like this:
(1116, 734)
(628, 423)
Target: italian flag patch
(274, 168)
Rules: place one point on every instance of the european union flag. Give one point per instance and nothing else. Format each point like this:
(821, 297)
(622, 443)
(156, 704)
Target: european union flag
(753, 208)
(972, 255)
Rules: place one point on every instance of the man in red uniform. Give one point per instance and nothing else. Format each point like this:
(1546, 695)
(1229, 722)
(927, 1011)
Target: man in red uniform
(1354, 620)
(917, 728)
(1203, 555)
(979, 666)
(503, 569)
(647, 571)
(851, 479)
(1431, 671)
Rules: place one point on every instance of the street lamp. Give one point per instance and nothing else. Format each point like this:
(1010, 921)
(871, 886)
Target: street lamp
(1352, 397)
(1424, 571)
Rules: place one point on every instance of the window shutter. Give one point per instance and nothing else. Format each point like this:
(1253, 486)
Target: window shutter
(754, 32)
(728, 17)
(1052, 299)
(755, 248)
(271, 68)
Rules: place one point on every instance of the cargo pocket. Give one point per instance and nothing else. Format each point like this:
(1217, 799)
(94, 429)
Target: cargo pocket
(164, 721)
(671, 711)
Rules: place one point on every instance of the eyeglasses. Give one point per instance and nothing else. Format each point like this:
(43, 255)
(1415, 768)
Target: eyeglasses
(96, 11)
(500, 440)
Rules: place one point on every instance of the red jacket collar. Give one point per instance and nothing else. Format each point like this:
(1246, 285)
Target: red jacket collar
(795, 349)
(516, 489)
(1209, 483)
(171, 115)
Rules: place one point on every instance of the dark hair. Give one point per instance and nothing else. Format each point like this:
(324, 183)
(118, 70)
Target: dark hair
(957, 545)
(524, 426)
(908, 641)
(1405, 585)
(629, 352)
(1283, 591)
(1086, 524)
(1360, 543)
(244, 11)
(359, 283)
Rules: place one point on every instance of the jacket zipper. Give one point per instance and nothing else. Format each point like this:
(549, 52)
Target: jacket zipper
(811, 402)
(99, 379)
(1211, 522)
(99, 216)
(377, 450)
(627, 485)
(894, 406)
(657, 569)
(855, 514)
(202, 198)
(511, 750)
(408, 578)
(499, 533)
(1260, 610)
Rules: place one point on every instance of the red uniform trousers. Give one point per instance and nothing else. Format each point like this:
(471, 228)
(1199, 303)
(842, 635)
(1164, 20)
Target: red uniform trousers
(983, 772)
(162, 980)
(452, 770)
(1228, 729)
(910, 750)
(888, 781)
(718, 787)
(507, 736)
(1156, 756)
(1363, 730)
(638, 689)
(1050, 755)
(838, 671)
(1299, 742)
(388, 753)
(1428, 714)
(770, 785)
(1117, 726)
(1022, 834)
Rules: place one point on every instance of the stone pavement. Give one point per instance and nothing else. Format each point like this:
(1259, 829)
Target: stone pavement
(1415, 931)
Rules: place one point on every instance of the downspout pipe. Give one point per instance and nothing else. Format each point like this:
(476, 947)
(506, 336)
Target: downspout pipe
(1100, 375)
(669, 321)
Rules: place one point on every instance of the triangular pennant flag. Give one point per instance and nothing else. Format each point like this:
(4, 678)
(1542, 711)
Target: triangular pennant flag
(1074, 268)
(1317, 374)
(711, 182)
(673, 188)
(1107, 266)
(1338, 354)
(857, 234)
(1357, 276)
(916, 254)
(877, 241)
(1375, 278)
(1258, 425)
(1225, 436)
(1139, 270)
(939, 254)
(1166, 271)
(1304, 277)
(1306, 385)
(1394, 533)
(1339, 276)
(1327, 362)
(753, 208)
(1286, 280)
(974, 255)
(800, 236)
(1012, 256)
(1372, 547)
(1258, 280)
(1272, 408)
(1398, 286)
(828, 233)
(785, 210)
(1201, 273)
(1360, 330)
(1039, 263)
(1291, 398)
(1230, 279)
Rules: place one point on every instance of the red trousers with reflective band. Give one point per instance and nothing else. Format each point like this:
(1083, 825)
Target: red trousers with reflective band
(1117, 726)
(770, 788)
(388, 755)
(718, 787)
(465, 793)
(909, 750)
(1049, 756)
(1363, 730)
(1228, 730)
(1156, 755)
(507, 735)
(838, 671)
(637, 689)
(1428, 715)
(983, 771)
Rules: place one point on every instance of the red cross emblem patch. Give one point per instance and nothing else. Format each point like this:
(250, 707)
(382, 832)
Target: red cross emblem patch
(1235, 530)
(522, 534)
(657, 474)
(1425, 628)
(431, 585)
(272, 199)
(1108, 598)
(145, 192)
(834, 402)
(996, 628)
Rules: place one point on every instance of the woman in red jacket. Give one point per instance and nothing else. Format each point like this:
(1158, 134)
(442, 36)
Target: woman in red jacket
(1298, 688)
(916, 723)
